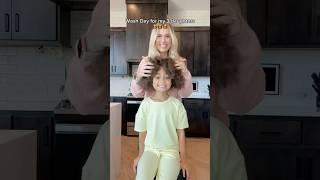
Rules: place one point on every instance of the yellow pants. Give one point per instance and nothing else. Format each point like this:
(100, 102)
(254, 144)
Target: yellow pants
(165, 163)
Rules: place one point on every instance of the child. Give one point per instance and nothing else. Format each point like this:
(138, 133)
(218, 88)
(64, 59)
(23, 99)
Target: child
(160, 121)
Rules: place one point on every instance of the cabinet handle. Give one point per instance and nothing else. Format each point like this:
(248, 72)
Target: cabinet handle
(7, 22)
(115, 68)
(111, 68)
(17, 23)
(205, 115)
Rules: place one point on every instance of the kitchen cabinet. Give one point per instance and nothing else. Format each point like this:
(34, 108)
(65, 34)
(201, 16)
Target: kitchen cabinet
(5, 120)
(194, 45)
(287, 23)
(74, 137)
(43, 123)
(28, 20)
(270, 163)
(118, 57)
(198, 117)
(279, 147)
(138, 34)
(186, 47)
(202, 54)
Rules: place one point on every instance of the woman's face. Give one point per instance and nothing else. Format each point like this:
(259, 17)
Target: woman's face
(163, 41)
(161, 81)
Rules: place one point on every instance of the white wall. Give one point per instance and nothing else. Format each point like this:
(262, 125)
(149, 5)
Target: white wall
(296, 94)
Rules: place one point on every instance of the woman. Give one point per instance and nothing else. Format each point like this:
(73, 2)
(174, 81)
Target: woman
(238, 85)
(163, 43)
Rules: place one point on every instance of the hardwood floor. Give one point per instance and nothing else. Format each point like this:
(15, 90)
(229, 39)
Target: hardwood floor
(198, 156)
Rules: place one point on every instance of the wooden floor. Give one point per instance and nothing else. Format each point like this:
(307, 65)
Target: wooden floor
(198, 152)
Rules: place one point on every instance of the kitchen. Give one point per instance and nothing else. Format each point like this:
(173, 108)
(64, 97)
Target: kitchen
(129, 42)
(42, 135)
(279, 138)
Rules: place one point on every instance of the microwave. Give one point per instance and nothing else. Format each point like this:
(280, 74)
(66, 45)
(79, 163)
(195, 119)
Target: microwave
(272, 77)
(132, 67)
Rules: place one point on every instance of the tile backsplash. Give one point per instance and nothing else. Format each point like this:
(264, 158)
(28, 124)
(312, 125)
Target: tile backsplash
(30, 78)
(120, 86)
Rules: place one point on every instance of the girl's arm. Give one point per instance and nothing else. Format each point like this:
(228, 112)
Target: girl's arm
(142, 137)
(183, 153)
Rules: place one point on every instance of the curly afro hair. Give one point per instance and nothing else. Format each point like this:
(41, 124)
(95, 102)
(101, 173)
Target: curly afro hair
(177, 79)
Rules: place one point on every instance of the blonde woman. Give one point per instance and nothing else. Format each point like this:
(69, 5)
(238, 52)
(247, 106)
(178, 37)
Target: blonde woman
(163, 43)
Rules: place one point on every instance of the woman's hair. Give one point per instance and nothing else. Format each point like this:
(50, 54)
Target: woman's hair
(153, 51)
(177, 79)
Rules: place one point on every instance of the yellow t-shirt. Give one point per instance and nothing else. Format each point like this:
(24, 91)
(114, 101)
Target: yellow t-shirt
(161, 121)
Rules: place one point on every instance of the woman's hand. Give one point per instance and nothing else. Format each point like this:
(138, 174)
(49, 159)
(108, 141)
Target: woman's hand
(185, 169)
(145, 68)
(181, 64)
(227, 14)
(135, 164)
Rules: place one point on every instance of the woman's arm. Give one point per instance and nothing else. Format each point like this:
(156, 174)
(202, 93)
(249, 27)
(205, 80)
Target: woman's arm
(245, 81)
(243, 94)
(186, 90)
(183, 153)
(144, 70)
(86, 82)
(87, 71)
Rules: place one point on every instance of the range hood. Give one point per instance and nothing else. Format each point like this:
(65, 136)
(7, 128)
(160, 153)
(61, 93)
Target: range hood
(77, 4)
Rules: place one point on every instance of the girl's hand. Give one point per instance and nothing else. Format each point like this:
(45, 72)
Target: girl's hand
(185, 169)
(135, 164)
(180, 64)
(145, 68)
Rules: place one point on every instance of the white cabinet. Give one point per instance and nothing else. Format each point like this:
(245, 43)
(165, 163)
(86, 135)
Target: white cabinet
(34, 20)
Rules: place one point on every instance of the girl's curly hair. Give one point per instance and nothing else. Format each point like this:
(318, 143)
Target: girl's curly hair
(177, 79)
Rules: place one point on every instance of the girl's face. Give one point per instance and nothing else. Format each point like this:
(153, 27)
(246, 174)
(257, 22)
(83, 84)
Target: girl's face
(161, 81)
(163, 41)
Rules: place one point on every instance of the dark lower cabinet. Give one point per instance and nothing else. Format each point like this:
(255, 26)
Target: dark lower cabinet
(269, 163)
(72, 152)
(279, 147)
(198, 117)
(43, 123)
(5, 120)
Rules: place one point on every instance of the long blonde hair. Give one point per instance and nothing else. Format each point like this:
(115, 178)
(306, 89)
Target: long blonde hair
(153, 51)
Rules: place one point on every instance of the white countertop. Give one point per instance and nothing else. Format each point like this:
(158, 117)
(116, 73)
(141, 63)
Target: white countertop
(285, 111)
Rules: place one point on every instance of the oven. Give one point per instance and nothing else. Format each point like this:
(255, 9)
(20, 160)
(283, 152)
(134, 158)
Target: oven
(132, 108)
(74, 138)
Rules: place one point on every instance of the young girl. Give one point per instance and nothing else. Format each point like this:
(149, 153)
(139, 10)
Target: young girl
(160, 121)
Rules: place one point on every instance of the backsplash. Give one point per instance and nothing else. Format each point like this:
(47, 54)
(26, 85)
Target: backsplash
(120, 86)
(30, 78)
